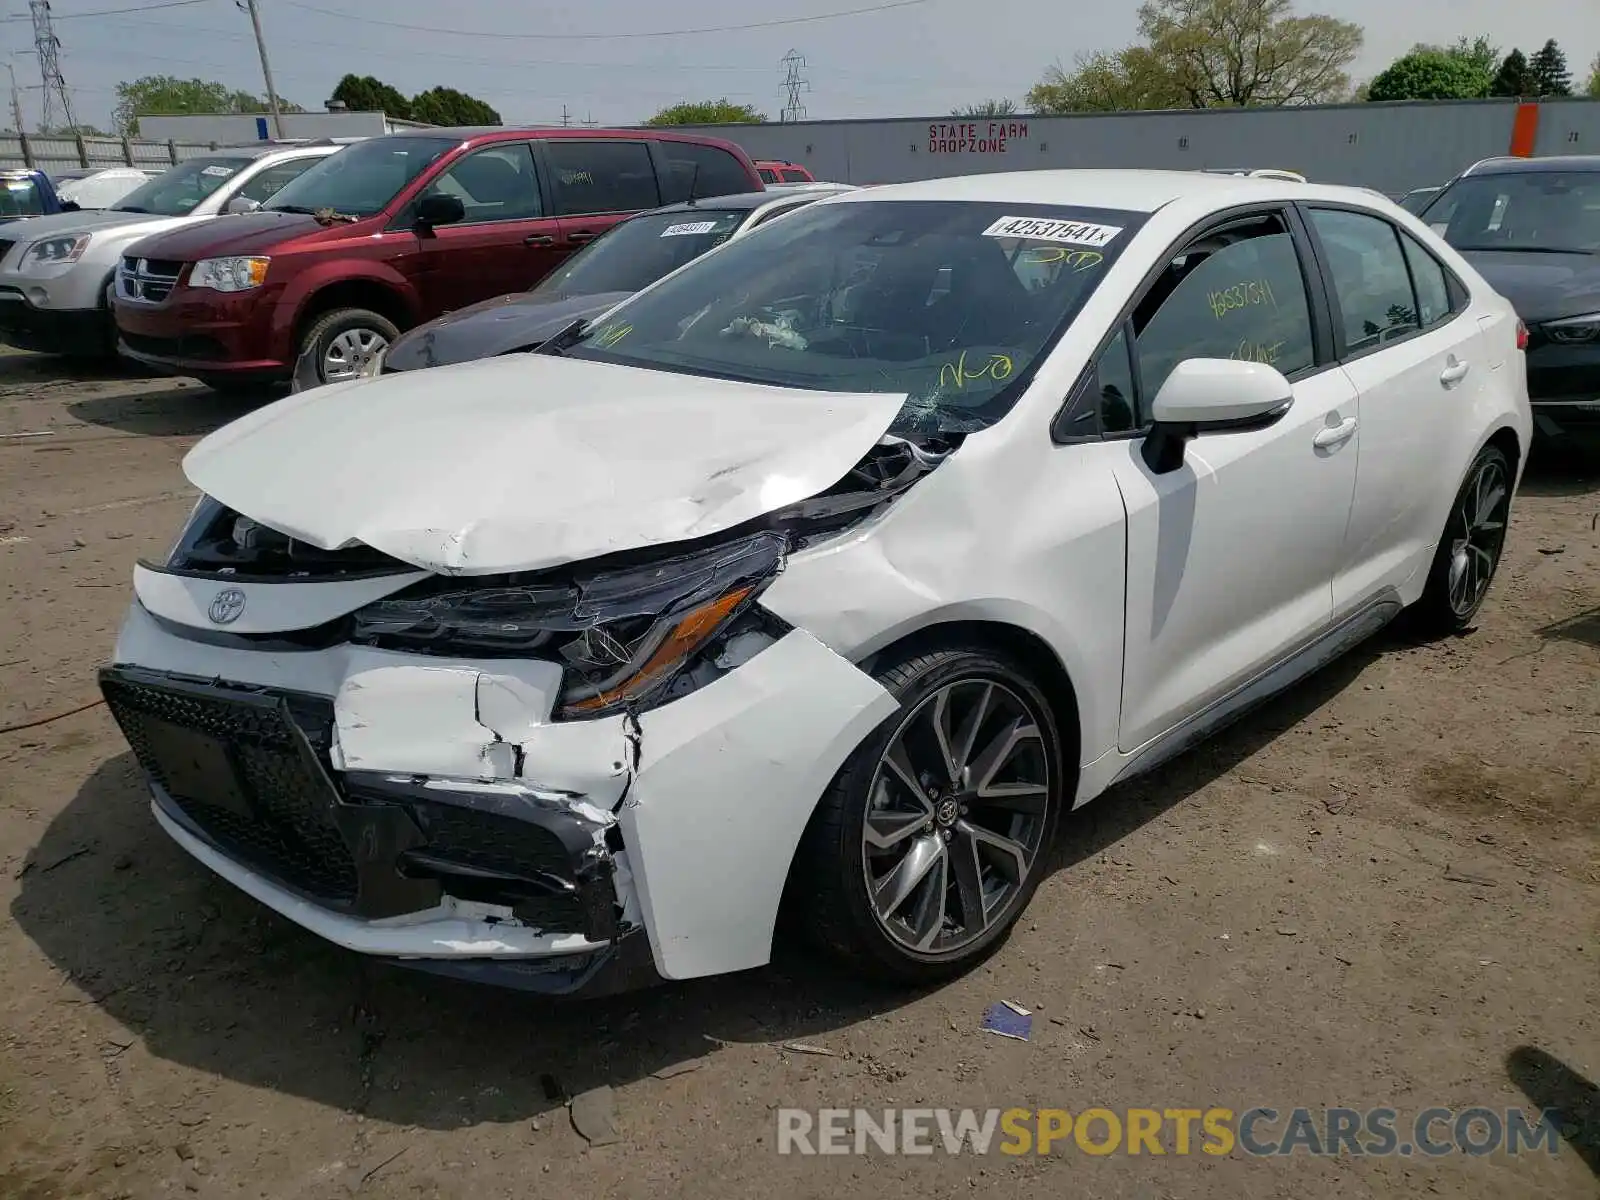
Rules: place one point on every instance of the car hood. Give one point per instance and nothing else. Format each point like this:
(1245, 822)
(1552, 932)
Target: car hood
(238, 233)
(493, 327)
(530, 461)
(82, 221)
(1542, 287)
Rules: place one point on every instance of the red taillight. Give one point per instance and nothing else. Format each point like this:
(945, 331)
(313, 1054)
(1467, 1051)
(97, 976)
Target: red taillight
(1522, 336)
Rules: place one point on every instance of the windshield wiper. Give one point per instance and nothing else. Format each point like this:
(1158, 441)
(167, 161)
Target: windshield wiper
(564, 340)
(290, 208)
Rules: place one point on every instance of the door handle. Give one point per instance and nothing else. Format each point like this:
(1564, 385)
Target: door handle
(538, 239)
(582, 236)
(1454, 373)
(1335, 435)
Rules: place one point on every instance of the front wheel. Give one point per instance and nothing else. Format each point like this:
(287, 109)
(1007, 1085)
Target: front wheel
(934, 835)
(1469, 548)
(342, 343)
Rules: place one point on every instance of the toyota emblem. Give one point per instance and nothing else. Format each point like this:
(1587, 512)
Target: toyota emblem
(226, 606)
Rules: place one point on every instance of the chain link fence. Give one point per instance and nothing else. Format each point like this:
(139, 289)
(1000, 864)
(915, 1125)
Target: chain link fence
(63, 153)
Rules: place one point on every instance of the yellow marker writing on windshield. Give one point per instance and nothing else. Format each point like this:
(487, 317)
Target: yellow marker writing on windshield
(998, 368)
(1078, 260)
(607, 338)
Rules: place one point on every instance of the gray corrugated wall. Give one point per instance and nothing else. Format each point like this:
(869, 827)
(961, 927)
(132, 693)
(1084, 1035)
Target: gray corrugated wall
(1391, 147)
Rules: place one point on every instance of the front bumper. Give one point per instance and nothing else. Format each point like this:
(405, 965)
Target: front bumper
(206, 334)
(66, 331)
(1564, 386)
(345, 789)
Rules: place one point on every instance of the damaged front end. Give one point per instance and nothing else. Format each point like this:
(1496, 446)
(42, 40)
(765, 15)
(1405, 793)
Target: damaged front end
(442, 771)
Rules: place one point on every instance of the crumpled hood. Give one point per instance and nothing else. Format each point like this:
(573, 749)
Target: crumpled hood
(530, 461)
(1542, 287)
(493, 327)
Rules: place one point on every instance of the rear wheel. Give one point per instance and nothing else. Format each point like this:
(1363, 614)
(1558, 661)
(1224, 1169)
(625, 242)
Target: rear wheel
(934, 835)
(1470, 547)
(343, 342)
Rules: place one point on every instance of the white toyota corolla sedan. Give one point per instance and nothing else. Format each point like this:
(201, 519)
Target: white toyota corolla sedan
(825, 574)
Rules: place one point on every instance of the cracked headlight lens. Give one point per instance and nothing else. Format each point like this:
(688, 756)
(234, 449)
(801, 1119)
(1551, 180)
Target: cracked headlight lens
(622, 635)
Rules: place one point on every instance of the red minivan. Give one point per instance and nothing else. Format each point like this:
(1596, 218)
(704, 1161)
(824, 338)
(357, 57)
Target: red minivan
(389, 232)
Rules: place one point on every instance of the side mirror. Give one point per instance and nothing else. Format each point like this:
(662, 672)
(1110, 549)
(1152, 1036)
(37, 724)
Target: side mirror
(439, 209)
(1212, 395)
(242, 204)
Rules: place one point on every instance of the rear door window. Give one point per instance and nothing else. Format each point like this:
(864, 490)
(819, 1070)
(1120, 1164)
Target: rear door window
(710, 170)
(601, 177)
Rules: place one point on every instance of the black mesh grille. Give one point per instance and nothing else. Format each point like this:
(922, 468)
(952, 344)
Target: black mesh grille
(245, 771)
(492, 842)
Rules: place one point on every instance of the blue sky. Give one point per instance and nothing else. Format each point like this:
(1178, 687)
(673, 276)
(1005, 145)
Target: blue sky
(923, 58)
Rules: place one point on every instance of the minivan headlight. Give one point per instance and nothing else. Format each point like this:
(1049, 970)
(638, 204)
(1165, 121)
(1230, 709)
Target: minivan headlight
(236, 274)
(54, 252)
(1574, 329)
(621, 635)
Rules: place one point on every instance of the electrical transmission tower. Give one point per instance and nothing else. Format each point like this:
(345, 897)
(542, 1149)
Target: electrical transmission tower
(49, 49)
(794, 84)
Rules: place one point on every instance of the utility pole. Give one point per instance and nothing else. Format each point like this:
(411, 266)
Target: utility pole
(794, 83)
(266, 67)
(16, 100)
(566, 117)
(48, 47)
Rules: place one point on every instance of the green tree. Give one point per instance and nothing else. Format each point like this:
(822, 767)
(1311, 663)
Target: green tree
(1514, 78)
(1429, 75)
(986, 108)
(1549, 68)
(1594, 78)
(363, 93)
(708, 112)
(1211, 54)
(446, 106)
(167, 95)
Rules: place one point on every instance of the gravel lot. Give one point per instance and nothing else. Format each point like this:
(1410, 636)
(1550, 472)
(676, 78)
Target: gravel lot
(1383, 889)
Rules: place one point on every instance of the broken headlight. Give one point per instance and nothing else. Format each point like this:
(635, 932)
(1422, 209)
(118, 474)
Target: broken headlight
(622, 635)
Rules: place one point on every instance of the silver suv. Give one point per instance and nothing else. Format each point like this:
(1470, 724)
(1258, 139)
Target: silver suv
(55, 271)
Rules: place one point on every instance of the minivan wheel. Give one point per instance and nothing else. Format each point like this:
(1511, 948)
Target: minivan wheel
(1470, 547)
(935, 833)
(344, 341)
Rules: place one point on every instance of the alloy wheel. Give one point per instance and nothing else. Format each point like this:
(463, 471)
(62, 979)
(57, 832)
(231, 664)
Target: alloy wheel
(348, 352)
(1478, 536)
(956, 816)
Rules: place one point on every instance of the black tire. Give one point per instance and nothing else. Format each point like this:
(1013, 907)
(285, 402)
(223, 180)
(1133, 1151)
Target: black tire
(330, 326)
(1451, 600)
(829, 887)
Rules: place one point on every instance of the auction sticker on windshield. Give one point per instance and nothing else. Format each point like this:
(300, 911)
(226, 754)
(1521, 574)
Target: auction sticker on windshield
(217, 172)
(1040, 229)
(691, 227)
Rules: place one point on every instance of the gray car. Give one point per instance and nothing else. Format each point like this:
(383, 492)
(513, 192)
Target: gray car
(632, 255)
(55, 271)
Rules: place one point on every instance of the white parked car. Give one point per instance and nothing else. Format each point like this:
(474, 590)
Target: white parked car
(831, 569)
(99, 187)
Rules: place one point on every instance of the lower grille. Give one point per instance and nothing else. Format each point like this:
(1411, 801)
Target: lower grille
(243, 769)
(190, 346)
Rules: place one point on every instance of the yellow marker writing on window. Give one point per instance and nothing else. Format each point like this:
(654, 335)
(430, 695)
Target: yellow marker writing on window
(1078, 260)
(957, 375)
(1247, 293)
(611, 335)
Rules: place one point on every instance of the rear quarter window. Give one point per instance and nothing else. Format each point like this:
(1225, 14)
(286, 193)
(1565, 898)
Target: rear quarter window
(709, 170)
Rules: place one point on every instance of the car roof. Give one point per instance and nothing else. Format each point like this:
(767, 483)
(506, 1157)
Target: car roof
(749, 201)
(1130, 190)
(1519, 166)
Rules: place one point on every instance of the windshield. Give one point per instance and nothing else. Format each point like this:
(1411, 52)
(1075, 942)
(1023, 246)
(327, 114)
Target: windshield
(20, 197)
(951, 303)
(637, 252)
(361, 179)
(176, 192)
(1533, 210)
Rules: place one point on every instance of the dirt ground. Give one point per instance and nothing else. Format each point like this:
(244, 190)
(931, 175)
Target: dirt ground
(1383, 889)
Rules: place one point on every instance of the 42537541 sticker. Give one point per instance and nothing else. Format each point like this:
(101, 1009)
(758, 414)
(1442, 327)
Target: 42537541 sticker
(1047, 229)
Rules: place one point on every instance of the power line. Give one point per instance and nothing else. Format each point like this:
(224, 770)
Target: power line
(111, 12)
(610, 37)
